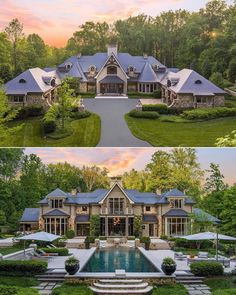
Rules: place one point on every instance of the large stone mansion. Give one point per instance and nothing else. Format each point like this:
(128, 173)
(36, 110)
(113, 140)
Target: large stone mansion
(116, 74)
(167, 213)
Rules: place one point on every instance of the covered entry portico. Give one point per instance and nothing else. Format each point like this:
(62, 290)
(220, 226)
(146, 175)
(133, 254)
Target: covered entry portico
(112, 84)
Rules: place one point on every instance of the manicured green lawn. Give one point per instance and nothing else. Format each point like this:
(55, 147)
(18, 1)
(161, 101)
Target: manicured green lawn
(221, 285)
(85, 132)
(9, 250)
(159, 133)
(66, 289)
(18, 285)
(170, 290)
(19, 281)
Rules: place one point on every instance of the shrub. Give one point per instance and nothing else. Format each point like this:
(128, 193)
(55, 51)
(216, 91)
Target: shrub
(206, 114)
(22, 267)
(12, 290)
(145, 240)
(207, 268)
(164, 237)
(60, 251)
(157, 94)
(89, 239)
(169, 261)
(49, 126)
(35, 110)
(70, 234)
(80, 115)
(145, 115)
(160, 108)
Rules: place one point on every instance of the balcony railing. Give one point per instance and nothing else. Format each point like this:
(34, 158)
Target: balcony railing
(126, 211)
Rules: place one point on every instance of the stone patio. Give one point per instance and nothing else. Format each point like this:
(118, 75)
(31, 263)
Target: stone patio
(46, 288)
(197, 289)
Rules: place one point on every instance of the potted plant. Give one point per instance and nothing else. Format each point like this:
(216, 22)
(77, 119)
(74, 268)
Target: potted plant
(88, 240)
(168, 266)
(72, 265)
(146, 241)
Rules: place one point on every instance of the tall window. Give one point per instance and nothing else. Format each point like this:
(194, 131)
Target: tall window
(56, 203)
(176, 203)
(116, 206)
(177, 226)
(112, 70)
(57, 226)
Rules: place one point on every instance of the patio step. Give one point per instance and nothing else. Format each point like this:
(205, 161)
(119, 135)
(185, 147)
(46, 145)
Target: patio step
(147, 290)
(121, 286)
(115, 281)
(189, 279)
(52, 276)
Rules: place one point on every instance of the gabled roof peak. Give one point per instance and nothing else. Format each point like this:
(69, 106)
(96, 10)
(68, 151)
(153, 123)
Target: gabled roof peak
(57, 193)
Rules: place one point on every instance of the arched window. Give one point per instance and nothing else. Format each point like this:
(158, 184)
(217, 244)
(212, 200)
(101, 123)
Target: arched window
(22, 81)
(53, 82)
(112, 70)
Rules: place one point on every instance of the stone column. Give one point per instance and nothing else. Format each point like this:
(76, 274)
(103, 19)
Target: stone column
(126, 226)
(106, 226)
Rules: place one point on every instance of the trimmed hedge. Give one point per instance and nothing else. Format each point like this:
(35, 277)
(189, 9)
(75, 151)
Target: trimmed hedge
(31, 111)
(49, 126)
(199, 114)
(70, 234)
(22, 267)
(183, 243)
(80, 115)
(207, 268)
(60, 251)
(160, 108)
(145, 115)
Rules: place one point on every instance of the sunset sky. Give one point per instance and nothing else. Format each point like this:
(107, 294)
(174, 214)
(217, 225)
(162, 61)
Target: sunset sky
(56, 20)
(119, 160)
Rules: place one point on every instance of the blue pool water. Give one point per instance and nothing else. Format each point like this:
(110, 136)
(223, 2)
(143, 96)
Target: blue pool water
(108, 260)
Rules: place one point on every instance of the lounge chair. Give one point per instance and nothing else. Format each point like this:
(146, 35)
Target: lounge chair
(203, 255)
(179, 256)
(43, 253)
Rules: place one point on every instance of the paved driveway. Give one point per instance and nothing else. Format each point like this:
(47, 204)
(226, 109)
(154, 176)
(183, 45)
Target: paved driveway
(115, 132)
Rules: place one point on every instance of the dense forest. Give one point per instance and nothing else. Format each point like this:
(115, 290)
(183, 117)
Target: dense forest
(204, 41)
(25, 180)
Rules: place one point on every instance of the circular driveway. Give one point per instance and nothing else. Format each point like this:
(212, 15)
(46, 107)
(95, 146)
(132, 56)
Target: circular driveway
(115, 132)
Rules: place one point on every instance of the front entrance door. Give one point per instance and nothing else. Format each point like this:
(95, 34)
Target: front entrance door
(83, 229)
(151, 230)
(112, 88)
(116, 226)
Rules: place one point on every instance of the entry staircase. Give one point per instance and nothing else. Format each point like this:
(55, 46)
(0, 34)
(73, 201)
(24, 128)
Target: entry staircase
(52, 275)
(121, 286)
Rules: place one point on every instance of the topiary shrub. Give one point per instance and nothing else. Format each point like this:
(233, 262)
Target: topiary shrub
(49, 126)
(80, 115)
(70, 234)
(60, 251)
(22, 267)
(144, 115)
(207, 268)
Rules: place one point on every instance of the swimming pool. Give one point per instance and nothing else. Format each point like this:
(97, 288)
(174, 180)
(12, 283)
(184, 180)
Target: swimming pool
(108, 260)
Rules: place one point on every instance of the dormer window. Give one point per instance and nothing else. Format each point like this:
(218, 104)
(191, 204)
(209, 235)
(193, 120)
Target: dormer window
(131, 69)
(22, 81)
(68, 66)
(198, 82)
(176, 203)
(56, 203)
(92, 69)
(53, 82)
(155, 68)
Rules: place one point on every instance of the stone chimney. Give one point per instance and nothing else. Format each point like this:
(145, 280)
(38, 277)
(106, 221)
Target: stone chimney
(116, 179)
(158, 191)
(74, 192)
(112, 49)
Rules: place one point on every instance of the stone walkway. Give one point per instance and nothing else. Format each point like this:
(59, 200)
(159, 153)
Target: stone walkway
(45, 288)
(200, 289)
(115, 132)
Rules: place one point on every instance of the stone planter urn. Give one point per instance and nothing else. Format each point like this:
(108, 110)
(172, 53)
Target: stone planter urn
(72, 265)
(168, 266)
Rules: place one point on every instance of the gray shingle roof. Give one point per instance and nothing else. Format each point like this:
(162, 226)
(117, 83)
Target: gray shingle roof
(56, 212)
(203, 216)
(34, 82)
(112, 79)
(30, 215)
(148, 75)
(57, 193)
(150, 218)
(82, 218)
(176, 213)
(187, 83)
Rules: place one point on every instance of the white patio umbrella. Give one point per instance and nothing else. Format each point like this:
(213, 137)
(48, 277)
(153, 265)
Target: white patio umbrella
(209, 236)
(39, 236)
